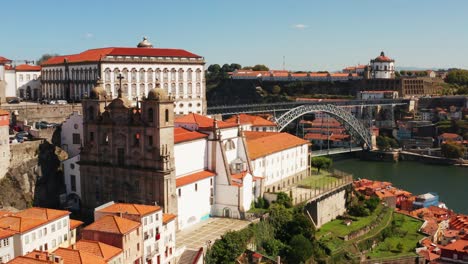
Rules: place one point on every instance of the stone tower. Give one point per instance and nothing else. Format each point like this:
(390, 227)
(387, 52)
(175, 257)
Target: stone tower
(128, 151)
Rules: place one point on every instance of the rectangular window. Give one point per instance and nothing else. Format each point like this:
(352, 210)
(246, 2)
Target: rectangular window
(73, 183)
(26, 239)
(64, 223)
(59, 225)
(196, 186)
(91, 136)
(44, 231)
(53, 228)
(120, 156)
(150, 141)
(21, 77)
(180, 192)
(76, 139)
(28, 77)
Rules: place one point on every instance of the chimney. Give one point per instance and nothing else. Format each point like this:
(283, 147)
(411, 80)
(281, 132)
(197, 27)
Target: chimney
(73, 246)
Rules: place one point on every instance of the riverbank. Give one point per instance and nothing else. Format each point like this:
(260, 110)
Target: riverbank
(395, 156)
(449, 182)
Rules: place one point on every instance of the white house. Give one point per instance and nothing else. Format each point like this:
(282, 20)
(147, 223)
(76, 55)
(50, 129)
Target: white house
(367, 95)
(39, 229)
(71, 174)
(71, 134)
(179, 72)
(382, 67)
(28, 83)
(7, 251)
(253, 123)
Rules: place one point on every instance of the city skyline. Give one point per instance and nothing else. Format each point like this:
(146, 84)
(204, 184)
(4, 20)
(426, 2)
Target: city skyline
(311, 36)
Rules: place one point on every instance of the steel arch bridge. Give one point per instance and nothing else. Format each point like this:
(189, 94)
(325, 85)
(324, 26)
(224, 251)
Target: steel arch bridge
(353, 126)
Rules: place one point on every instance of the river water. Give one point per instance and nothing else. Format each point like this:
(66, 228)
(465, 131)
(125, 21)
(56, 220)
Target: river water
(449, 182)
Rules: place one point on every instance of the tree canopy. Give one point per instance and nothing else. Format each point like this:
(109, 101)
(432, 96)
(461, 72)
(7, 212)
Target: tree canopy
(321, 163)
(459, 77)
(45, 57)
(452, 150)
(385, 143)
(260, 67)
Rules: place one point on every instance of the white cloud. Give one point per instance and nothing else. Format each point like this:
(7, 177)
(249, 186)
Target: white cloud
(300, 26)
(88, 35)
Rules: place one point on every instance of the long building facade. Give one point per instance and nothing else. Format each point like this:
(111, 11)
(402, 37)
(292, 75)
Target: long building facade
(136, 70)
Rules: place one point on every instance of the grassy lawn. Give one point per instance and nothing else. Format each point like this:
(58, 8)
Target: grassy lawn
(318, 180)
(407, 235)
(337, 228)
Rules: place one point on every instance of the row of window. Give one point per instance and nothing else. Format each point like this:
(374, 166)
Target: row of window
(179, 190)
(132, 89)
(28, 77)
(150, 75)
(43, 232)
(4, 242)
(81, 74)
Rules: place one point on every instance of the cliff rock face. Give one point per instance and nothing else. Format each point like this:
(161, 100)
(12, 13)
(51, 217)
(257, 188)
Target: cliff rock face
(34, 176)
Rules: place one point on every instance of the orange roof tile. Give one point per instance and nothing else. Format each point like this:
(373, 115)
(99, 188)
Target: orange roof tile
(78, 256)
(460, 245)
(97, 248)
(4, 233)
(27, 67)
(182, 135)
(4, 112)
(271, 142)
(4, 60)
(74, 224)
(250, 119)
(449, 136)
(202, 121)
(168, 217)
(94, 55)
(131, 209)
(42, 213)
(20, 224)
(113, 224)
(27, 260)
(194, 177)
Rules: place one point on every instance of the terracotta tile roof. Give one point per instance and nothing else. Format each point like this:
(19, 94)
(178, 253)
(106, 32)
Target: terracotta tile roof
(42, 213)
(9, 67)
(78, 256)
(194, 177)
(27, 260)
(4, 233)
(4, 212)
(168, 217)
(460, 245)
(203, 122)
(4, 60)
(250, 119)
(270, 143)
(4, 112)
(182, 135)
(94, 55)
(97, 248)
(113, 224)
(428, 255)
(130, 209)
(27, 67)
(19, 224)
(449, 136)
(74, 224)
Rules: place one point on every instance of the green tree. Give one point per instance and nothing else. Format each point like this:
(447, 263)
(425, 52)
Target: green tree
(383, 143)
(260, 67)
(300, 250)
(272, 247)
(45, 57)
(235, 66)
(452, 150)
(399, 247)
(372, 203)
(284, 199)
(276, 89)
(214, 68)
(457, 77)
(279, 216)
(320, 163)
(229, 247)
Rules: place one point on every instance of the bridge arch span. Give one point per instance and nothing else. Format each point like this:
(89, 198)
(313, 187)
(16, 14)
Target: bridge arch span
(352, 125)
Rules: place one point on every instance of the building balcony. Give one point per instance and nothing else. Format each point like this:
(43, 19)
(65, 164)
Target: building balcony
(153, 253)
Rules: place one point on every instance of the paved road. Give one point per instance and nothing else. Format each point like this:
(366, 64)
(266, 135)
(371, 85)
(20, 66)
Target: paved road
(197, 236)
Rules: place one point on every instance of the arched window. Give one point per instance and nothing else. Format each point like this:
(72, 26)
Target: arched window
(150, 114)
(107, 73)
(166, 115)
(125, 89)
(189, 88)
(181, 88)
(133, 92)
(165, 72)
(166, 88)
(158, 74)
(150, 75)
(198, 89)
(173, 74)
(189, 75)
(198, 75)
(134, 74)
(142, 75)
(142, 90)
(173, 88)
(108, 88)
(181, 75)
(125, 74)
(116, 75)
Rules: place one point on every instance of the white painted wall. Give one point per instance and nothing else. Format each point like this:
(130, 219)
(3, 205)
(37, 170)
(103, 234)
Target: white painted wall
(71, 167)
(25, 79)
(190, 156)
(72, 125)
(194, 202)
(10, 79)
(169, 241)
(7, 250)
(4, 147)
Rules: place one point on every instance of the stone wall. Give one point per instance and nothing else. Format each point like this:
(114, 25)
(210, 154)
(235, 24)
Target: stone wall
(37, 112)
(329, 207)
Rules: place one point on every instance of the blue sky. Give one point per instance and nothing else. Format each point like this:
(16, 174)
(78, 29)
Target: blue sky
(312, 35)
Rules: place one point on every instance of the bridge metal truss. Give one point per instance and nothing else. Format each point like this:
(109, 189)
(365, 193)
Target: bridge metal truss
(353, 126)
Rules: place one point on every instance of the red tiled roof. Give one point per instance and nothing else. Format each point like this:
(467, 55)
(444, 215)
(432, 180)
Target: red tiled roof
(27, 260)
(194, 177)
(250, 119)
(113, 224)
(202, 121)
(181, 135)
(42, 213)
(27, 67)
(6, 233)
(168, 217)
(270, 142)
(130, 209)
(460, 245)
(4, 60)
(97, 248)
(449, 136)
(383, 58)
(94, 55)
(3, 112)
(8, 67)
(74, 224)
(78, 256)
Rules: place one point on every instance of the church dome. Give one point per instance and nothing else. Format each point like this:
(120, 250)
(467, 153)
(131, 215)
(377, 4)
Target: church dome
(97, 91)
(157, 94)
(145, 43)
(383, 58)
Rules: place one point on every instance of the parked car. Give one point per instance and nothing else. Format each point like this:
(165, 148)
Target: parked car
(41, 125)
(45, 101)
(22, 134)
(52, 102)
(61, 102)
(14, 101)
